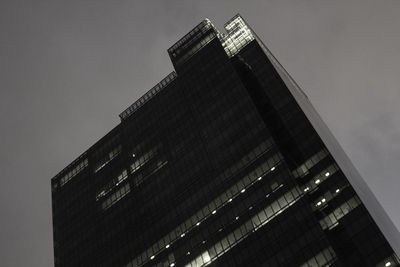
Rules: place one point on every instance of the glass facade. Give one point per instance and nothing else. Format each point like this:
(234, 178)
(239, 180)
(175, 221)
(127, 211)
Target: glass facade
(220, 165)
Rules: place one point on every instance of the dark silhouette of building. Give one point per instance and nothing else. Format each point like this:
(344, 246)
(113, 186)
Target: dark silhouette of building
(223, 163)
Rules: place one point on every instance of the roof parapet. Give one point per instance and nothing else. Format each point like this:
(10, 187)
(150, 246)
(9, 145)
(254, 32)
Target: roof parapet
(147, 96)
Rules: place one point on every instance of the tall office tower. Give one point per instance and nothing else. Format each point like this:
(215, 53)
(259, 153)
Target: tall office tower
(223, 163)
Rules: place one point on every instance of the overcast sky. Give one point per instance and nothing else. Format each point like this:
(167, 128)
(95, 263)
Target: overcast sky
(68, 68)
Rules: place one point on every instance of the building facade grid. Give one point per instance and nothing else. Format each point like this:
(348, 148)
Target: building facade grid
(217, 165)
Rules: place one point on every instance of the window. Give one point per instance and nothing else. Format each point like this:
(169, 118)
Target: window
(77, 169)
(114, 183)
(116, 196)
(103, 162)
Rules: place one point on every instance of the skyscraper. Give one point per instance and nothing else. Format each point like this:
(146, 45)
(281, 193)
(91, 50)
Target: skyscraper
(223, 163)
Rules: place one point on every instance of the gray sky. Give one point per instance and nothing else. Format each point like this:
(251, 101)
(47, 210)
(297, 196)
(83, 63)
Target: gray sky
(68, 68)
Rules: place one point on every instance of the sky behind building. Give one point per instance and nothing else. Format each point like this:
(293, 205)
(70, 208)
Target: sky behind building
(68, 68)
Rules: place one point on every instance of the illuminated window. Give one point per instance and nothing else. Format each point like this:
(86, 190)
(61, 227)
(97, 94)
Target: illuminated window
(327, 174)
(272, 169)
(113, 184)
(387, 264)
(140, 161)
(337, 190)
(317, 181)
(104, 161)
(167, 246)
(78, 168)
(201, 260)
(243, 190)
(115, 197)
(321, 259)
(206, 257)
(248, 180)
(331, 220)
(152, 257)
(238, 235)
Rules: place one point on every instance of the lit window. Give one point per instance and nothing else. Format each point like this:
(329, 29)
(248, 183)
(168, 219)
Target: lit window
(198, 223)
(214, 211)
(230, 200)
(116, 196)
(259, 178)
(203, 242)
(243, 190)
(317, 181)
(206, 257)
(182, 235)
(251, 207)
(387, 264)
(237, 218)
(319, 203)
(267, 195)
(337, 190)
(152, 257)
(133, 155)
(172, 264)
(188, 253)
(167, 246)
(272, 169)
(306, 189)
(327, 174)
(110, 156)
(323, 200)
(73, 172)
